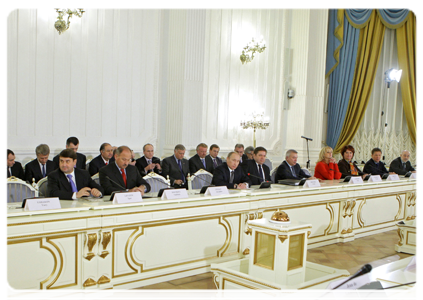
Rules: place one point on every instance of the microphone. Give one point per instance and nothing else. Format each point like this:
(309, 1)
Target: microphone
(308, 139)
(123, 188)
(364, 270)
(249, 174)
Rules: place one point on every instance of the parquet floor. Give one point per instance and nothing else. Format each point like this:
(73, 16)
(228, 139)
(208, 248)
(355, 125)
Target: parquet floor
(376, 249)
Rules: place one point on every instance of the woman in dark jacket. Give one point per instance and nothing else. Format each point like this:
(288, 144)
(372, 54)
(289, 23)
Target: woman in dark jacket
(346, 165)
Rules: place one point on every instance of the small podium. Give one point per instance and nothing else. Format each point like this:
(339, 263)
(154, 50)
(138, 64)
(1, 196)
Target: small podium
(279, 249)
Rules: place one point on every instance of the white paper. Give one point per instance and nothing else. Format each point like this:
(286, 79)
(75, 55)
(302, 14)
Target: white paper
(311, 183)
(413, 176)
(393, 177)
(355, 180)
(217, 191)
(175, 194)
(42, 204)
(127, 197)
(352, 284)
(375, 178)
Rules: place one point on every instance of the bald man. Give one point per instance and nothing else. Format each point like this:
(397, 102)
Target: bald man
(402, 165)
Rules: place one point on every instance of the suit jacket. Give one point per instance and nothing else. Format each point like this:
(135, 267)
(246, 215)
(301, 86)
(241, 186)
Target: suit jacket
(222, 175)
(195, 164)
(396, 166)
(59, 186)
(345, 169)
(284, 172)
(371, 168)
(251, 167)
(80, 160)
(170, 167)
(244, 158)
(17, 171)
(33, 170)
(97, 163)
(111, 173)
(209, 159)
(141, 163)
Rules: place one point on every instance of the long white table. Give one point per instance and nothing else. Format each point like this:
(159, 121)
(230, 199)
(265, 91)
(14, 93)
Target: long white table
(100, 245)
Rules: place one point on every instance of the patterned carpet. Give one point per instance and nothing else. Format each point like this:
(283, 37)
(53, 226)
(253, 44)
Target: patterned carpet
(376, 249)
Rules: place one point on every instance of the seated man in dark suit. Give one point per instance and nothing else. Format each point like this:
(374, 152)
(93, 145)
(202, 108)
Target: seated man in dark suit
(14, 168)
(230, 174)
(401, 165)
(41, 166)
(120, 175)
(105, 158)
(70, 183)
(199, 161)
(213, 156)
(289, 169)
(255, 168)
(176, 167)
(73, 143)
(239, 148)
(148, 163)
(249, 151)
(374, 166)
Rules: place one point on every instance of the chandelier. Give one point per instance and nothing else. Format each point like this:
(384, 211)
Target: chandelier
(62, 25)
(255, 123)
(251, 48)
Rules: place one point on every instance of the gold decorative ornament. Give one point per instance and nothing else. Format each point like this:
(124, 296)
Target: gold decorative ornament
(283, 238)
(106, 239)
(103, 279)
(89, 282)
(252, 47)
(92, 239)
(104, 254)
(62, 25)
(280, 216)
(246, 251)
(249, 231)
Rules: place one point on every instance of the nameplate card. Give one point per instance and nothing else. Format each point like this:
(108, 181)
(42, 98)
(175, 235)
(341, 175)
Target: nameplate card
(375, 178)
(217, 191)
(174, 194)
(42, 204)
(311, 183)
(353, 284)
(393, 177)
(413, 176)
(127, 197)
(355, 180)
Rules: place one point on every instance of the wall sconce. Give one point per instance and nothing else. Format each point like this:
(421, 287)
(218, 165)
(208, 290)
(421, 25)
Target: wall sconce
(392, 75)
(251, 48)
(255, 124)
(291, 93)
(60, 24)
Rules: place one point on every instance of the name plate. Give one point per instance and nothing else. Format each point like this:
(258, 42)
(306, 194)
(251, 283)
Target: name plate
(375, 178)
(217, 191)
(350, 285)
(175, 194)
(42, 204)
(311, 183)
(393, 177)
(413, 176)
(127, 197)
(355, 180)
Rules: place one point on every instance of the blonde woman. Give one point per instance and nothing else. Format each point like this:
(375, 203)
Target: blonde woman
(326, 167)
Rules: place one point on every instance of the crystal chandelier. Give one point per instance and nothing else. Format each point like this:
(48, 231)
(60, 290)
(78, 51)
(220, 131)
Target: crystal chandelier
(62, 25)
(251, 48)
(255, 123)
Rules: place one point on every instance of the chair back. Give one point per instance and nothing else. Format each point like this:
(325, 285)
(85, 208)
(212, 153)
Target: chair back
(273, 174)
(42, 187)
(17, 190)
(200, 179)
(96, 178)
(87, 164)
(306, 171)
(268, 163)
(156, 182)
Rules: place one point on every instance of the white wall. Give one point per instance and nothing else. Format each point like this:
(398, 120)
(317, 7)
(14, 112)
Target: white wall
(164, 77)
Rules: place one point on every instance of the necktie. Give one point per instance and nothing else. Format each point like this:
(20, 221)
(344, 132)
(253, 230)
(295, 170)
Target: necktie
(10, 171)
(123, 176)
(231, 179)
(261, 173)
(72, 184)
(204, 163)
(293, 171)
(214, 162)
(182, 172)
(149, 163)
(44, 171)
(404, 165)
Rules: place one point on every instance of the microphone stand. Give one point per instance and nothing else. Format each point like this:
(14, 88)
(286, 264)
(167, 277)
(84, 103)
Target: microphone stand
(308, 157)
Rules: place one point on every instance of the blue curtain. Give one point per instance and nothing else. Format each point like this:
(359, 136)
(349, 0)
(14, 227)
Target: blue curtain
(341, 80)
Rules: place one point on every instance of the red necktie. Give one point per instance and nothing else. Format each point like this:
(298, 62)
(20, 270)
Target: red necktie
(123, 176)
